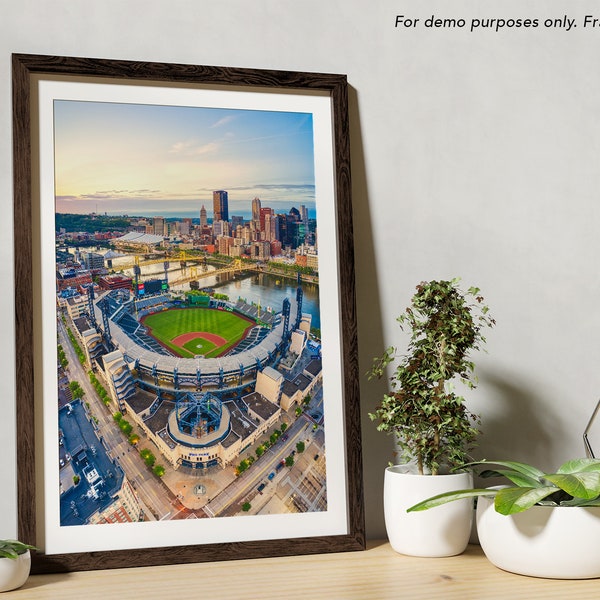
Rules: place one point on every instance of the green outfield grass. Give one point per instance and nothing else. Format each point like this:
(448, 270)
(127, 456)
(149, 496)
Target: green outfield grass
(167, 325)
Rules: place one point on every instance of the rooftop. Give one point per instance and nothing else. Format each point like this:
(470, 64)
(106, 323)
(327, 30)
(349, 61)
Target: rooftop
(260, 405)
(134, 237)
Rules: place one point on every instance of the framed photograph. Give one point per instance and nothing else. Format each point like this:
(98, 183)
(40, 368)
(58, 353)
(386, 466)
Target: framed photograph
(187, 371)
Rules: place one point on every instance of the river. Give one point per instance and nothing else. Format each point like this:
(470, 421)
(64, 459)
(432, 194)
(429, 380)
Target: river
(270, 290)
(259, 288)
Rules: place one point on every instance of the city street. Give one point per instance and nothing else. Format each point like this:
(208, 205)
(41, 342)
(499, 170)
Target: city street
(152, 494)
(217, 491)
(245, 487)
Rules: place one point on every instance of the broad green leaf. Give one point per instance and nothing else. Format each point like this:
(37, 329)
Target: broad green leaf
(509, 501)
(580, 465)
(581, 502)
(512, 465)
(580, 485)
(519, 479)
(489, 473)
(449, 497)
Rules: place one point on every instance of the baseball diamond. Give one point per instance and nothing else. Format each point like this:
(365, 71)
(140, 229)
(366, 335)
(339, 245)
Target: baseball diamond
(197, 331)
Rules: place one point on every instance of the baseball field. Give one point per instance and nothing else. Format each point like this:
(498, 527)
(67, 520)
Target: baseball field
(197, 331)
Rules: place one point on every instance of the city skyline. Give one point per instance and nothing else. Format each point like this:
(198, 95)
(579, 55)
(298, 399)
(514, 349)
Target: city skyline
(132, 159)
(241, 209)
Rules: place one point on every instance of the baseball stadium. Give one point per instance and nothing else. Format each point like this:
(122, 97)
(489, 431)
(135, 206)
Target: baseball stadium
(204, 378)
(217, 346)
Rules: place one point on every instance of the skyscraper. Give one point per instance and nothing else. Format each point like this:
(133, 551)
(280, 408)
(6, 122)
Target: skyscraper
(304, 214)
(256, 209)
(235, 221)
(159, 226)
(271, 231)
(203, 219)
(220, 206)
(263, 212)
(185, 227)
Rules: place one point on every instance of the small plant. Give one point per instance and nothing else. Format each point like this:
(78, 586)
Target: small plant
(428, 418)
(575, 483)
(13, 549)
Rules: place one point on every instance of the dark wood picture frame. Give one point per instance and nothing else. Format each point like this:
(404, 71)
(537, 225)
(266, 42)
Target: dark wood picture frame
(27, 70)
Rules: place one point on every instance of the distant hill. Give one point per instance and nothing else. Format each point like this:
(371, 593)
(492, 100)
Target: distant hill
(90, 222)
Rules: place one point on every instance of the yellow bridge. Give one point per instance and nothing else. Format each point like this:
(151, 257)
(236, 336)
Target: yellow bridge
(195, 273)
(140, 260)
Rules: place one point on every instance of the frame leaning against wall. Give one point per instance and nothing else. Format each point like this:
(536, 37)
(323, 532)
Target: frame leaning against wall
(39, 81)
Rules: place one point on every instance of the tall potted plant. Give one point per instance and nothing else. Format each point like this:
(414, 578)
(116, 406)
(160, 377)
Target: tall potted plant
(433, 428)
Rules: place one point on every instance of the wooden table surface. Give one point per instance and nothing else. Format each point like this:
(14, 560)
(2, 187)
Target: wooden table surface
(378, 572)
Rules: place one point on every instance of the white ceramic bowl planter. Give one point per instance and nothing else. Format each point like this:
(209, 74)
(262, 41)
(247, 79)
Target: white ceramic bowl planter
(559, 542)
(14, 572)
(441, 531)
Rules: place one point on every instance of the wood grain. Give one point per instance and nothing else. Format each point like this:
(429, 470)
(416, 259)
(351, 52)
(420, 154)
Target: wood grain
(379, 573)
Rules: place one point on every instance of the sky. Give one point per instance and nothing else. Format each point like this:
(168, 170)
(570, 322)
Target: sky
(151, 159)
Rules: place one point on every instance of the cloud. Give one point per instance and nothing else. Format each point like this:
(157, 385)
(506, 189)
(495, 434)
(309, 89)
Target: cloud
(113, 195)
(270, 187)
(284, 186)
(223, 121)
(193, 148)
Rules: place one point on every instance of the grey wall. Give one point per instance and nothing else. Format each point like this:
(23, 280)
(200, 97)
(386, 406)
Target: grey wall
(475, 154)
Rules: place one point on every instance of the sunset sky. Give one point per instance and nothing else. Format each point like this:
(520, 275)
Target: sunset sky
(145, 159)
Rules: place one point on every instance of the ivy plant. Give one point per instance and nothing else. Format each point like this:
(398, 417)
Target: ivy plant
(422, 410)
(575, 483)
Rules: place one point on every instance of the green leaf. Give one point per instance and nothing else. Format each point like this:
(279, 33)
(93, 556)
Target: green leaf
(450, 497)
(580, 464)
(517, 478)
(581, 502)
(584, 485)
(13, 548)
(519, 467)
(509, 501)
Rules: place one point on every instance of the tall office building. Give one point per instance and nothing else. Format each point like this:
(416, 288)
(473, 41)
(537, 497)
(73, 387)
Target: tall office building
(203, 219)
(220, 206)
(221, 228)
(159, 226)
(185, 228)
(271, 231)
(263, 212)
(304, 214)
(256, 209)
(235, 221)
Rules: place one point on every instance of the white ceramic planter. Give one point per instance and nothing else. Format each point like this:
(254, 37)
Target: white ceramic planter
(440, 531)
(14, 573)
(561, 542)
